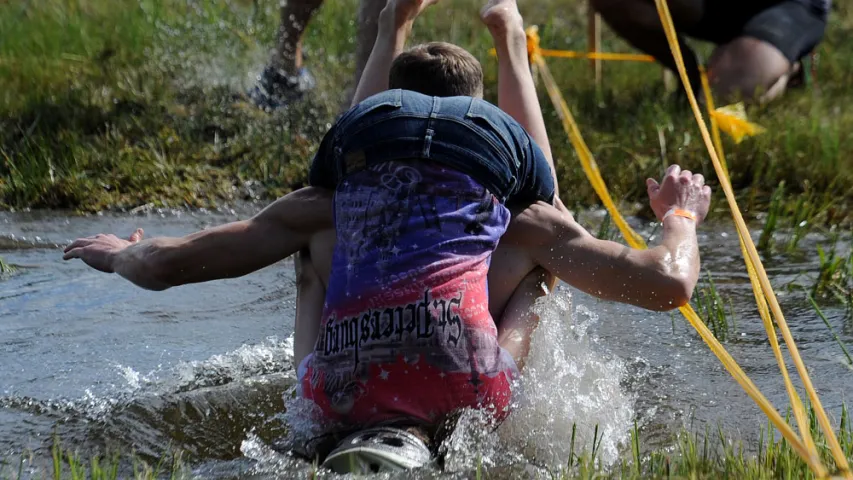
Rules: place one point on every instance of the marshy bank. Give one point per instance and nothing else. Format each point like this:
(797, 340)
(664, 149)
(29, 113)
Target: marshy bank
(139, 104)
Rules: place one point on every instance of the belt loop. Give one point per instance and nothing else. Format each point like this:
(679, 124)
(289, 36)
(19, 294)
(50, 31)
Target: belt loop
(340, 166)
(436, 106)
(430, 131)
(427, 142)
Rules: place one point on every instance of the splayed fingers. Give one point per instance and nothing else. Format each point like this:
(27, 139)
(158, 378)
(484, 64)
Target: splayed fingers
(99, 251)
(681, 189)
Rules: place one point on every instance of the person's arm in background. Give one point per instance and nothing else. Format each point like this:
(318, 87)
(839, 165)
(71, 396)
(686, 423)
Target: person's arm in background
(395, 25)
(659, 278)
(226, 251)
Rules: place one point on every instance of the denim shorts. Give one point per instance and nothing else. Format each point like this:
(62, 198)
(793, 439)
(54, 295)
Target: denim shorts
(464, 133)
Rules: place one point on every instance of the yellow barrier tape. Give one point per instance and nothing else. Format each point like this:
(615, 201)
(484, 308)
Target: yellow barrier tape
(732, 120)
(590, 168)
(823, 420)
(610, 56)
(634, 240)
(761, 302)
(715, 129)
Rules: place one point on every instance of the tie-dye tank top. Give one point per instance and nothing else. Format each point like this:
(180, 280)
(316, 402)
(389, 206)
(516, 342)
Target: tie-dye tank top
(406, 330)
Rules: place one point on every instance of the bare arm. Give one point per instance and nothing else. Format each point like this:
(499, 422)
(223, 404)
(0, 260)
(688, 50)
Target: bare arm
(660, 278)
(395, 25)
(516, 89)
(226, 251)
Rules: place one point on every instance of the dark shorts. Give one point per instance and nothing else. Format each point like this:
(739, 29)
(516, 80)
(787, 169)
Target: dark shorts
(466, 134)
(791, 26)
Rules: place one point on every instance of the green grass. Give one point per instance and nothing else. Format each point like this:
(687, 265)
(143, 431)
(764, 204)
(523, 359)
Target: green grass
(133, 102)
(835, 274)
(831, 330)
(717, 313)
(5, 268)
(68, 464)
(795, 216)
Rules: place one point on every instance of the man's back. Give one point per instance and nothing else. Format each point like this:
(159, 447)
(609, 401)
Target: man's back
(406, 329)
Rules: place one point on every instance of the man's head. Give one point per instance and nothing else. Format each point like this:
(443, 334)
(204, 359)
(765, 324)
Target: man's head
(438, 69)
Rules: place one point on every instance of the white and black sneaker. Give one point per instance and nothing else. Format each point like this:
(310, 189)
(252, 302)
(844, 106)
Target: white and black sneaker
(380, 449)
(275, 89)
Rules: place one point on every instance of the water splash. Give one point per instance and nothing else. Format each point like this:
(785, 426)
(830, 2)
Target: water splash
(569, 380)
(270, 356)
(270, 463)
(473, 444)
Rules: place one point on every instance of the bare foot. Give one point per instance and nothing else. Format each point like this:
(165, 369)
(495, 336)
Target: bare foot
(502, 16)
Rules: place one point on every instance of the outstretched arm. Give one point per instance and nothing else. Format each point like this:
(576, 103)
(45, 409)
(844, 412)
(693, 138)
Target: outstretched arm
(395, 25)
(516, 89)
(226, 251)
(660, 278)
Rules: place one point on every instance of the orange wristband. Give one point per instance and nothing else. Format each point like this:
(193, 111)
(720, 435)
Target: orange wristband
(679, 213)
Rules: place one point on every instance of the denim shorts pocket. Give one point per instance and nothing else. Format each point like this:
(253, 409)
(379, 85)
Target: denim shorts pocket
(481, 113)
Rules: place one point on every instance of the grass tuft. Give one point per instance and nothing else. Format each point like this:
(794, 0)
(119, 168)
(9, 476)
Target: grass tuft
(835, 274)
(693, 455)
(831, 330)
(713, 309)
(5, 268)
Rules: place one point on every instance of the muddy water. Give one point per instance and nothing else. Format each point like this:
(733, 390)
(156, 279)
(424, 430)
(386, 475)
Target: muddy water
(204, 368)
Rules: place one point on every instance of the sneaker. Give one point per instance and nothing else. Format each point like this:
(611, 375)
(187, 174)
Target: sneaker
(377, 450)
(274, 89)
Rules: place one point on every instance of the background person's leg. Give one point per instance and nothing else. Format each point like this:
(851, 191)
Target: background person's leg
(746, 68)
(284, 79)
(295, 15)
(757, 64)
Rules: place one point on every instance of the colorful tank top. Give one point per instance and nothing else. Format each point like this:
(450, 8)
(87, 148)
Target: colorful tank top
(406, 330)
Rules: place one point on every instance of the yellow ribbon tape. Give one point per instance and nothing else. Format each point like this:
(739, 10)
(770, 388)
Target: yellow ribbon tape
(752, 254)
(533, 48)
(634, 240)
(760, 300)
(732, 120)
